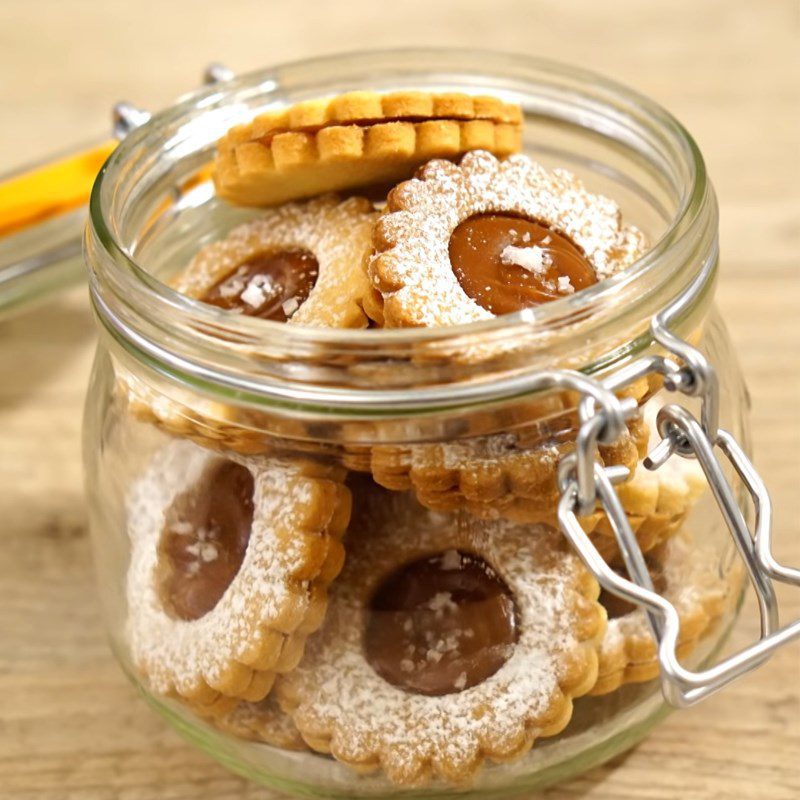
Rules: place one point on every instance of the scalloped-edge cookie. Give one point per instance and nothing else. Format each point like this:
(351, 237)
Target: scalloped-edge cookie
(356, 139)
(413, 268)
(498, 475)
(261, 722)
(231, 559)
(688, 575)
(336, 233)
(656, 502)
(434, 686)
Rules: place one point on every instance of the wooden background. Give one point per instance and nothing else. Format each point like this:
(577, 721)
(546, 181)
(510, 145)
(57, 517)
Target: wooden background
(70, 725)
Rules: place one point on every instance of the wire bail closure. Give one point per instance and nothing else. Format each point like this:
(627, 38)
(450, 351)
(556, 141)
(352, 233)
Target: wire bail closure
(583, 482)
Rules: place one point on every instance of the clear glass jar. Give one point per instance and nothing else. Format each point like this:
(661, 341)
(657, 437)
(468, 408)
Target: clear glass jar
(180, 388)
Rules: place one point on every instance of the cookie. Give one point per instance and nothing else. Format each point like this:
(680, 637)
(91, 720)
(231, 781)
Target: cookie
(302, 264)
(688, 576)
(468, 242)
(261, 722)
(447, 641)
(189, 415)
(656, 505)
(512, 474)
(230, 563)
(354, 140)
(656, 502)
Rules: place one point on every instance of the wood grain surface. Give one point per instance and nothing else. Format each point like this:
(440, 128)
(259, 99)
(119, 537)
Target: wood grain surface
(70, 725)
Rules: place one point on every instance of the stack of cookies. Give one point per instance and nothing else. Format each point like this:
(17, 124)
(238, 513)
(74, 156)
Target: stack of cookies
(414, 608)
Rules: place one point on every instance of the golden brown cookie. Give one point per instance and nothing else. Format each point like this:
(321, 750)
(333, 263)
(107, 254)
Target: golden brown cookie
(354, 140)
(506, 474)
(688, 575)
(462, 243)
(188, 415)
(230, 563)
(447, 641)
(261, 722)
(303, 264)
(655, 502)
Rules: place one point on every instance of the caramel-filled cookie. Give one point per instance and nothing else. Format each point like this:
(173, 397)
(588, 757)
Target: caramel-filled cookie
(448, 641)
(468, 242)
(230, 563)
(513, 475)
(688, 575)
(300, 264)
(354, 140)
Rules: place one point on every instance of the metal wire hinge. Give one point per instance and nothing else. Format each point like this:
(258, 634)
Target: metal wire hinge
(126, 117)
(584, 483)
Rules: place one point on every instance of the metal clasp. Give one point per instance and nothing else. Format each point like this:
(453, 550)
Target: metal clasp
(689, 373)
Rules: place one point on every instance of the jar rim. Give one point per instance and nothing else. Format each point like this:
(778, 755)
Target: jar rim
(138, 288)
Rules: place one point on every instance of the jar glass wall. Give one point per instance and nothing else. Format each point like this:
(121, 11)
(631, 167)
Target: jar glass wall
(373, 467)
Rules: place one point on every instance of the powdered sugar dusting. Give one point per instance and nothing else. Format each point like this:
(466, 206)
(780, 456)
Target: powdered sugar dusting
(336, 694)
(258, 291)
(176, 654)
(564, 285)
(337, 233)
(428, 210)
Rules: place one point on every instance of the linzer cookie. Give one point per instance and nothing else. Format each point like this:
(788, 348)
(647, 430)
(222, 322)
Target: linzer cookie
(261, 722)
(302, 264)
(447, 641)
(655, 502)
(230, 563)
(688, 576)
(354, 140)
(507, 474)
(462, 243)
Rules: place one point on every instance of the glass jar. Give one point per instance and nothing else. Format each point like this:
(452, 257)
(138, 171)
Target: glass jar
(300, 424)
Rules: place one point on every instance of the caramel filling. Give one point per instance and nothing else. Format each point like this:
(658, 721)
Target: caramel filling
(617, 607)
(507, 263)
(441, 625)
(268, 285)
(205, 538)
(368, 122)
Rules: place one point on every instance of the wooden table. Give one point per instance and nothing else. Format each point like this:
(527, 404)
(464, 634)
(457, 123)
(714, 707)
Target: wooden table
(71, 727)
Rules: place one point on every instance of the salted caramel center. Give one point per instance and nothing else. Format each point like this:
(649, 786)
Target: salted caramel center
(507, 263)
(205, 537)
(441, 625)
(268, 285)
